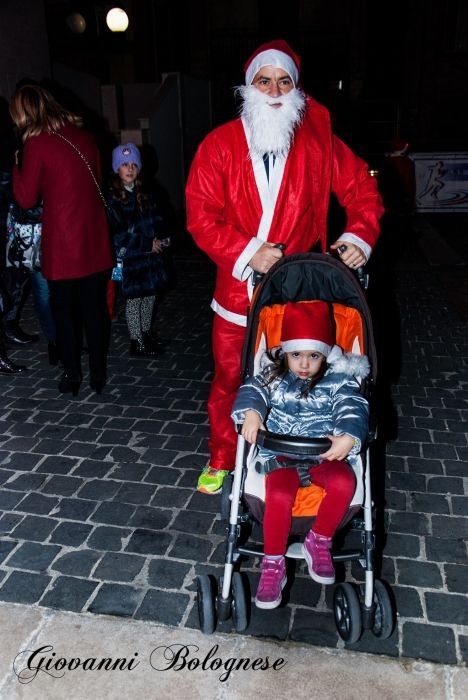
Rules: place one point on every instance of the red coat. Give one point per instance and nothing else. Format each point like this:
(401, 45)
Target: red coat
(224, 208)
(75, 237)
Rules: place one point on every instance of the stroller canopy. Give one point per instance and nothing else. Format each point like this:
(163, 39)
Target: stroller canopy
(306, 277)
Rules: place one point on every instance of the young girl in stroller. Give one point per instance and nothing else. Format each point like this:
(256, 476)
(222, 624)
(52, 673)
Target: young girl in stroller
(308, 388)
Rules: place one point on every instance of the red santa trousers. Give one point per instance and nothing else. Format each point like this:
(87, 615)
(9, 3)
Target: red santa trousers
(228, 339)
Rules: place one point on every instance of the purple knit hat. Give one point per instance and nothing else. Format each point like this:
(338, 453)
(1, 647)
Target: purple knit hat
(125, 153)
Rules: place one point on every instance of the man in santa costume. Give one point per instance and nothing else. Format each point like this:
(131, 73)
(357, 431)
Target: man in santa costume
(257, 181)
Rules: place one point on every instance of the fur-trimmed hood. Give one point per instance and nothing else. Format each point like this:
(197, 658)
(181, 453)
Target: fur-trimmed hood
(348, 363)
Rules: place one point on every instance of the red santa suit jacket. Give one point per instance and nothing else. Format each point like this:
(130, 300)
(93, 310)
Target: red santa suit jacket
(232, 208)
(75, 237)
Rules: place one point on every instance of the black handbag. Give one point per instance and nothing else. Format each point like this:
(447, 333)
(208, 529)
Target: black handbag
(143, 275)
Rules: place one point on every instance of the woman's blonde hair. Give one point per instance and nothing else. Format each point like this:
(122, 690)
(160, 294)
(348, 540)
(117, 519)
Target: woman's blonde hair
(34, 110)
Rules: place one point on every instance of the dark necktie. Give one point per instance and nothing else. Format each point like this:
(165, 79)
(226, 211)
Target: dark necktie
(266, 162)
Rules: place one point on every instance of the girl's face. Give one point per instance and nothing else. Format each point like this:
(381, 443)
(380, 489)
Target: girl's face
(304, 363)
(128, 173)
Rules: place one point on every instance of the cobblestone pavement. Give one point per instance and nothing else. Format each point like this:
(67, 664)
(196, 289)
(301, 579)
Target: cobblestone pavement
(99, 511)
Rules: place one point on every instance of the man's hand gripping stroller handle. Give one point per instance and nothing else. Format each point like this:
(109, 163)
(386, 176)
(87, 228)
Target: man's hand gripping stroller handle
(258, 276)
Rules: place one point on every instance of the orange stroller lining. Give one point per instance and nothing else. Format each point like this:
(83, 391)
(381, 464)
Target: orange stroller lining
(348, 335)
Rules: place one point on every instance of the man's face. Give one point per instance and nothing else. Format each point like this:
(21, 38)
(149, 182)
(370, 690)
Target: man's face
(273, 82)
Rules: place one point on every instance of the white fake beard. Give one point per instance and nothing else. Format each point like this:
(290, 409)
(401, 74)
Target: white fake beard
(271, 129)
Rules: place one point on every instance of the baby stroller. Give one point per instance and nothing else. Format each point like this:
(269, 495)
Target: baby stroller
(305, 277)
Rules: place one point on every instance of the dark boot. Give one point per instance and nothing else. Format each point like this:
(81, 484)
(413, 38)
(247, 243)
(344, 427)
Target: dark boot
(155, 345)
(7, 366)
(14, 334)
(97, 385)
(66, 386)
(139, 349)
(54, 355)
(157, 339)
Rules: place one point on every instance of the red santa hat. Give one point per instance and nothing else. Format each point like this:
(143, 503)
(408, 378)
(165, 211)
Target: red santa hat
(398, 145)
(275, 53)
(307, 327)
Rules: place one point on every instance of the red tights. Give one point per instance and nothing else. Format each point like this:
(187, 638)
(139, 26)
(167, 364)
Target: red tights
(338, 480)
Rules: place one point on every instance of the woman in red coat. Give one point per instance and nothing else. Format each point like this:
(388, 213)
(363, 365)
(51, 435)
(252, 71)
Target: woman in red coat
(60, 163)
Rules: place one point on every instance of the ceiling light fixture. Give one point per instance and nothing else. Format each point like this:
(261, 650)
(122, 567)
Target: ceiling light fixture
(76, 22)
(117, 20)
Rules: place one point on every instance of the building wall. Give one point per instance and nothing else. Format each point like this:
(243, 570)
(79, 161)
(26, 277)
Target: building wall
(86, 87)
(436, 81)
(242, 14)
(24, 49)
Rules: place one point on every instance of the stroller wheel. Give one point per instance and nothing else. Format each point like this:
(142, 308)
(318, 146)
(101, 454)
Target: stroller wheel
(240, 602)
(384, 615)
(206, 591)
(347, 611)
(225, 500)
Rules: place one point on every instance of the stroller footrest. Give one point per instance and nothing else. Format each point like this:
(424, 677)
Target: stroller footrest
(255, 549)
(346, 554)
(295, 552)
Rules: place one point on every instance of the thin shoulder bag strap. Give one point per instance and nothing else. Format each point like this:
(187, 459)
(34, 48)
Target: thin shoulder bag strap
(87, 164)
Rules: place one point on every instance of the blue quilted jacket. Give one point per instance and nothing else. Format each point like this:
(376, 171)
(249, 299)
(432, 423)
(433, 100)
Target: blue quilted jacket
(334, 405)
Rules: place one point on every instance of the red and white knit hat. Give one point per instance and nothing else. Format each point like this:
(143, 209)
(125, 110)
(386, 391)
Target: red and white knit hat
(275, 53)
(307, 327)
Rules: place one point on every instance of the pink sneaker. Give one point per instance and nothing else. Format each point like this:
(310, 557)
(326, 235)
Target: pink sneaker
(272, 582)
(316, 551)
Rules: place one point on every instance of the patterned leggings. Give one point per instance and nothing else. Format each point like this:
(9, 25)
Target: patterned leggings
(138, 313)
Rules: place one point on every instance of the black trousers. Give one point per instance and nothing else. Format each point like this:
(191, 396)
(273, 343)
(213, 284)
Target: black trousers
(77, 301)
(17, 284)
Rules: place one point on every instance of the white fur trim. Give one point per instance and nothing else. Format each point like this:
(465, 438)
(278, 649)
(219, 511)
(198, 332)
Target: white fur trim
(228, 315)
(306, 344)
(275, 58)
(351, 364)
(242, 270)
(336, 352)
(351, 238)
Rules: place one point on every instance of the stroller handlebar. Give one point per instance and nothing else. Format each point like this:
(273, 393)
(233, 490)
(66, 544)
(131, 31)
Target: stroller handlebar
(361, 275)
(258, 276)
(292, 443)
